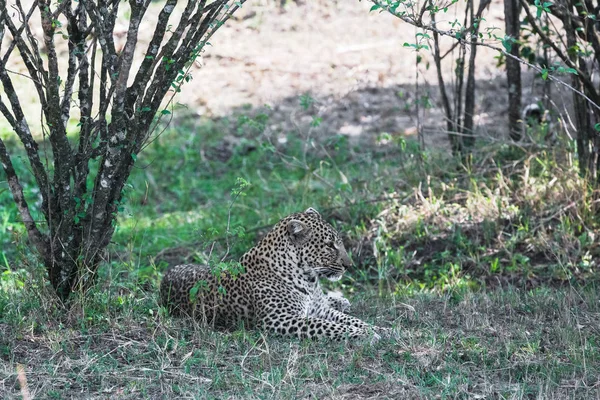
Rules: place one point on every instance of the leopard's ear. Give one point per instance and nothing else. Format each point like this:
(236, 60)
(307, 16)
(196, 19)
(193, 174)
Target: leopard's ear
(298, 230)
(311, 210)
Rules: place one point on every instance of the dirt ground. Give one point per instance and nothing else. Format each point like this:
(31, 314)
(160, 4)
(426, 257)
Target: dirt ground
(352, 61)
(325, 48)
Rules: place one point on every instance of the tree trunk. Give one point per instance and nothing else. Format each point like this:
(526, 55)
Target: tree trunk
(455, 140)
(580, 104)
(469, 125)
(513, 69)
(79, 214)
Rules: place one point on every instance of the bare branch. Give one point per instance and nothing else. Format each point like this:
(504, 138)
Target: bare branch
(126, 58)
(19, 124)
(143, 75)
(589, 85)
(470, 89)
(24, 23)
(223, 20)
(58, 135)
(450, 123)
(86, 88)
(30, 37)
(424, 8)
(86, 93)
(199, 48)
(167, 51)
(103, 22)
(74, 42)
(7, 114)
(38, 239)
(461, 40)
(185, 51)
(32, 62)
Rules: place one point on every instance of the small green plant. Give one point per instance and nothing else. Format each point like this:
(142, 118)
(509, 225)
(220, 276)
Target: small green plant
(231, 269)
(12, 281)
(199, 287)
(306, 101)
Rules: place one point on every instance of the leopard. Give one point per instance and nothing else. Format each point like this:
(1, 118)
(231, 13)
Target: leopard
(337, 301)
(277, 287)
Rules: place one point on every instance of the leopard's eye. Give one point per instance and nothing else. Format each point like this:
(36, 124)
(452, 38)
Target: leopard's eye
(331, 244)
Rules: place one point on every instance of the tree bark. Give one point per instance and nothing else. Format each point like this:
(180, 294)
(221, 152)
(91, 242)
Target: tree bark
(513, 69)
(469, 130)
(80, 215)
(451, 126)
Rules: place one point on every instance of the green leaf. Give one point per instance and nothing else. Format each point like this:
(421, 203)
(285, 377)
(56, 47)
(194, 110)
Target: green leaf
(306, 101)
(201, 284)
(507, 43)
(375, 7)
(165, 112)
(194, 293)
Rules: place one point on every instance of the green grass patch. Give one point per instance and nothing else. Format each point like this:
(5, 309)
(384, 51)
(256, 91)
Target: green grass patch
(119, 342)
(489, 270)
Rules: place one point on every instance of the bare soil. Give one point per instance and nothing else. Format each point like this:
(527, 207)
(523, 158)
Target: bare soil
(352, 61)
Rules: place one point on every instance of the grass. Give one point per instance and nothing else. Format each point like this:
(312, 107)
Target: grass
(506, 343)
(488, 268)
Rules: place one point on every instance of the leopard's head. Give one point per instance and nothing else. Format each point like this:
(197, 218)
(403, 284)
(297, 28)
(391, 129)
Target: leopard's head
(318, 245)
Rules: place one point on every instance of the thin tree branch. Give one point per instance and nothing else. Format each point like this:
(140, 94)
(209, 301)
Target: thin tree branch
(450, 123)
(103, 22)
(224, 19)
(185, 51)
(73, 43)
(452, 33)
(470, 89)
(24, 25)
(30, 37)
(86, 93)
(20, 126)
(37, 238)
(126, 58)
(61, 147)
(589, 85)
(33, 63)
(167, 52)
(145, 71)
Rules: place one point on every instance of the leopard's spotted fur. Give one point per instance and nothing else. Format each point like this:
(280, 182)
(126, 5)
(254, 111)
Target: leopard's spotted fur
(279, 289)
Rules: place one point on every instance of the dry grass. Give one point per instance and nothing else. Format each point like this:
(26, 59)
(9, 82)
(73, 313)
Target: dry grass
(530, 222)
(490, 272)
(506, 343)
